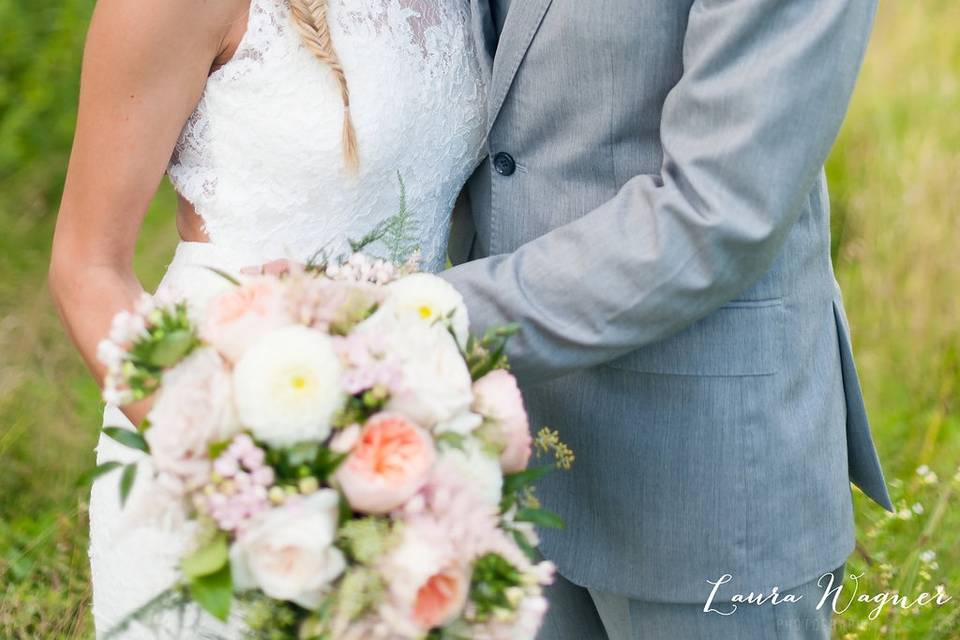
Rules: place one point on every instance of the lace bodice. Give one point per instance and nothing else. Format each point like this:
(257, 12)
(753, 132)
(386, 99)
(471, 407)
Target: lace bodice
(260, 158)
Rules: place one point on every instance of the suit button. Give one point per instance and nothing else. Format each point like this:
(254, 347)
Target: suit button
(504, 164)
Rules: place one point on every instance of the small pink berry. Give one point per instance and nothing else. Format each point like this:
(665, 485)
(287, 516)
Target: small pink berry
(253, 458)
(226, 466)
(263, 476)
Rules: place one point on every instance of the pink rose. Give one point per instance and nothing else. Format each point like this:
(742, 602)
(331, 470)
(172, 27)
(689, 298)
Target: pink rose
(236, 318)
(497, 398)
(390, 462)
(427, 573)
(193, 409)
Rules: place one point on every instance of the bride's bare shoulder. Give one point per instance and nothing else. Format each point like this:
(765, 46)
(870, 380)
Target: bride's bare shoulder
(204, 26)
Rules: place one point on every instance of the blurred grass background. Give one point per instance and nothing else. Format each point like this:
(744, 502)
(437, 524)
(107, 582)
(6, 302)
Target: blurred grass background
(895, 185)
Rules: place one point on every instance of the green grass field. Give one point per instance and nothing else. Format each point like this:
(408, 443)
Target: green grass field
(895, 186)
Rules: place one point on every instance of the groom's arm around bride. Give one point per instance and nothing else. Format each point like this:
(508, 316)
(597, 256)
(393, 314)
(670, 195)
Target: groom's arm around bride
(654, 215)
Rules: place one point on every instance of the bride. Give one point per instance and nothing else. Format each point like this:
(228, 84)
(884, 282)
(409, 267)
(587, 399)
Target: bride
(283, 125)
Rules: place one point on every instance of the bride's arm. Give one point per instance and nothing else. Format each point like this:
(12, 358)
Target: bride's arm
(144, 69)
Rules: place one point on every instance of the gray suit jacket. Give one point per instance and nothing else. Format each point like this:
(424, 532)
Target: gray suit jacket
(660, 230)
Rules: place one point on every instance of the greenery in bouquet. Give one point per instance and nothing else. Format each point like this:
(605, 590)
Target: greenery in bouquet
(356, 463)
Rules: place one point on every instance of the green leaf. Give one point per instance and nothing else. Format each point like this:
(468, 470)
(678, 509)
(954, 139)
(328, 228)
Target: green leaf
(216, 448)
(327, 462)
(524, 545)
(513, 482)
(226, 276)
(302, 453)
(540, 517)
(452, 440)
(96, 472)
(213, 592)
(507, 330)
(345, 512)
(172, 348)
(206, 560)
(127, 438)
(396, 232)
(126, 482)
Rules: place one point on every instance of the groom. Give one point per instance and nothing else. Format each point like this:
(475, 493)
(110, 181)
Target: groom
(654, 215)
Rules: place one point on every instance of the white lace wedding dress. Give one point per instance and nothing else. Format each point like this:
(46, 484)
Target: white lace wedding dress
(261, 161)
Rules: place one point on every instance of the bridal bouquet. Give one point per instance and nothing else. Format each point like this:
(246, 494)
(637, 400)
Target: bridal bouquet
(353, 462)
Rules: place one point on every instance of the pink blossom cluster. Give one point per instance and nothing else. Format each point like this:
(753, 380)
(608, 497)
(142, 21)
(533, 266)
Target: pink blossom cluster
(242, 491)
(321, 302)
(362, 268)
(368, 362)
(126, 327)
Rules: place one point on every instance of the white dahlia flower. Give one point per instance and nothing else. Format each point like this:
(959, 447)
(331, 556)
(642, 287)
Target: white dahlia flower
(431, 299)
(287, 386)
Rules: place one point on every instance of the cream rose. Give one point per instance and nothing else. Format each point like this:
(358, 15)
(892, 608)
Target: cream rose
(194, 408)
(288, 552)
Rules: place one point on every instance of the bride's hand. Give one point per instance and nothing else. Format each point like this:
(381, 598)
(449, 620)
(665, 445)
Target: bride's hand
(137, 411)
(272, 268)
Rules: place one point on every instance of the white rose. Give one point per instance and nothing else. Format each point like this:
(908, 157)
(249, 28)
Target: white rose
(288, 552)
(288, 386)
(193, 409)
(479, 468)
(434, 384)
(430, 299)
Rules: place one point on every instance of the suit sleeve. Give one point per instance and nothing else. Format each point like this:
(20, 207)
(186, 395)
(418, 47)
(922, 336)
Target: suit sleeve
(744, 133)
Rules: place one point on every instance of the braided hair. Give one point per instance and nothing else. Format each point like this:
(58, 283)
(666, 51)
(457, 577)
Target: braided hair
(310, 19)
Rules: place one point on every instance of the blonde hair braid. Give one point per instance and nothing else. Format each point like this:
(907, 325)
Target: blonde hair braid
(310, 19)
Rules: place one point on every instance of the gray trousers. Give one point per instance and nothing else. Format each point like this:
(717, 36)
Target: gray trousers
(578, 613)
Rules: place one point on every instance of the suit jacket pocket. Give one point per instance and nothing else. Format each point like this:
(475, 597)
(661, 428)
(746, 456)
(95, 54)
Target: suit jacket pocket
(743, 338)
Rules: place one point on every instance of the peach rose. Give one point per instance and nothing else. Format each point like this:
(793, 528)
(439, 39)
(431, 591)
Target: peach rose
(497, 398)
(390, 462)
(441, 598)
(236, 318)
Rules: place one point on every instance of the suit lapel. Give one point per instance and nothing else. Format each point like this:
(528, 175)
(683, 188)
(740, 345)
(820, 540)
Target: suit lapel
(484, 33)
(519, 27)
